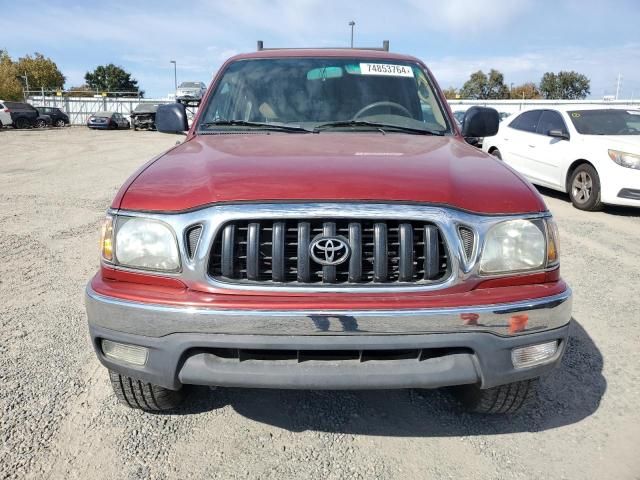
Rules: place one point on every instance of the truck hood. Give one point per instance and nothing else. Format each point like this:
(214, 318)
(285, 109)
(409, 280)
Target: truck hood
(329, 166)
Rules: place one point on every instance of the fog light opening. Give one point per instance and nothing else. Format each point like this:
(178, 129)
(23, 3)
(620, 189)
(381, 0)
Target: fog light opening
(123, 352)
(523, 357)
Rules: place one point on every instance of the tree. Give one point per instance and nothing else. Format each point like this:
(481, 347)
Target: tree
(42, 72)
(565, 86)
(526, 91)
(10, 86)
(451, 93)
(481, 86)
(111, 78)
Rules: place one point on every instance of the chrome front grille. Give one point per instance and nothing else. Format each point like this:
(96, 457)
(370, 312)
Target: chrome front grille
(278, 253)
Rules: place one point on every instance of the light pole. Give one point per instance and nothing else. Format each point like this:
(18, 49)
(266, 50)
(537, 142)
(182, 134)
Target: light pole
(511, 91)
(26, 81)
(175, 74)
(352, 24)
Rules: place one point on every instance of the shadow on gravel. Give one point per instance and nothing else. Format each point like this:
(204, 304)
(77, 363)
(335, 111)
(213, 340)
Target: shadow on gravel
(571, 393)
(610, 209)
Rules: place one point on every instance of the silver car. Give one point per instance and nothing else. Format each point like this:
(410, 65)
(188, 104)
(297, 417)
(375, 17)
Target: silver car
(190, 91)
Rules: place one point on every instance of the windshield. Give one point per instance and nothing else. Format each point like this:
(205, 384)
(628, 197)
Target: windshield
(312, 92)
(606, 122)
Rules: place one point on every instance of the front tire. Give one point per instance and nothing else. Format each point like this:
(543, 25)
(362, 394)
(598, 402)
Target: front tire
(507, 398)
(584, 188)
(60, 123)
(144, 396)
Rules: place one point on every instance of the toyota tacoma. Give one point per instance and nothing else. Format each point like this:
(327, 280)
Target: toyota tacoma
(324, 225)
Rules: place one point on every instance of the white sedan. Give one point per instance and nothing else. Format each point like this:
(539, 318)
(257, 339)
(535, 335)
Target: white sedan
(591, 152)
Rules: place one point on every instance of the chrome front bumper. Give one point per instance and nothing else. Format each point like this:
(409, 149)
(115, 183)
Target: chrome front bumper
(507, 319)
(181, 343)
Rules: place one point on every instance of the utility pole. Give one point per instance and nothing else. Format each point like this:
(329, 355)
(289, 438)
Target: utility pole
(352, 24)
(26, 81)
(175, 75)
(618, 86)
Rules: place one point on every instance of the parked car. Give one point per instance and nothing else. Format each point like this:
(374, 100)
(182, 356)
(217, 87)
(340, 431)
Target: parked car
(316, 231)
(5, 115)
(23, 115)
(190, 91)
(58, 117)
(108, 120)
(144, 116)
(590, 152)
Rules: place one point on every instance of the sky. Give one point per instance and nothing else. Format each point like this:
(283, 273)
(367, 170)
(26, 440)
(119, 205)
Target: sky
(521, 38)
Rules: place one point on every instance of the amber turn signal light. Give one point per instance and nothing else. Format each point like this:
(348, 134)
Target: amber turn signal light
(106, 239)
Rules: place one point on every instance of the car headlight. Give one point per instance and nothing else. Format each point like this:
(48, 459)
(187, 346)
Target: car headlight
(142, 243)
(520, 246)
(628, 160)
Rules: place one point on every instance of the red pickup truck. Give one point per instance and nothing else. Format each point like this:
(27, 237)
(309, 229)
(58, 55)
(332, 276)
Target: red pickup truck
(324, 225)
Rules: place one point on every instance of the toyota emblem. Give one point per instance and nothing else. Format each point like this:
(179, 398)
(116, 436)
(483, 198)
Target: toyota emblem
(329, 251)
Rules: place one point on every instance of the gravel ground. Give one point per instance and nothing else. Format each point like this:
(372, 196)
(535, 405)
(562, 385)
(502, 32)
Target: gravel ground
(59, 418)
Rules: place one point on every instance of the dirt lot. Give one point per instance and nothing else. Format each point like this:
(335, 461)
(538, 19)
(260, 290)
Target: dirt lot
(59, 418)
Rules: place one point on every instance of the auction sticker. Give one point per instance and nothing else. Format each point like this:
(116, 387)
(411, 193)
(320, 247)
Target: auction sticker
(386, 69)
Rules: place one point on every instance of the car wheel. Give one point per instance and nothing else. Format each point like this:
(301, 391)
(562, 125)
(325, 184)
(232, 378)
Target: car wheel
(584, 188)
(40, 123)
(496, 153)
(144, 396)
(21, 123)
(60, 123)
(501, 399)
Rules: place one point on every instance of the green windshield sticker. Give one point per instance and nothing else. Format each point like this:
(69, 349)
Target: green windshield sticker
(324, 73)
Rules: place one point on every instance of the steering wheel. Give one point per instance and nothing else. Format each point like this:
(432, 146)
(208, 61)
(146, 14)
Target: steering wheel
(627, 130)
(371, 106)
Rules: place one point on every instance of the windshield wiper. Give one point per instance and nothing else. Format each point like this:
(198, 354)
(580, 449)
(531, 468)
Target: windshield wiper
(257, 125)
(376, 125)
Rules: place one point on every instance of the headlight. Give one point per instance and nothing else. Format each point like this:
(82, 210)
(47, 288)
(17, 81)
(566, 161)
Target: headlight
(519, 245)
(623, 159)
(146, 244)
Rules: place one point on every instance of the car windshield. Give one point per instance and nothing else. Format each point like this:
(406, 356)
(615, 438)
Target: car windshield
(189, 85)
(353, 94)
(606, 121)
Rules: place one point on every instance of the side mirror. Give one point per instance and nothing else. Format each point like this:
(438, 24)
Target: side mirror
(480, 122)
(172, 118)
(558, 134)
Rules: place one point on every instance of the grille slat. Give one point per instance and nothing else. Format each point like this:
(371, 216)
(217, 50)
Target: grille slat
(228, 244)
(277, 253)
(253, 248)
(431, 253)
(278, 260)
(380, 252)
(355, 260)
(304, 238)
(406, 252)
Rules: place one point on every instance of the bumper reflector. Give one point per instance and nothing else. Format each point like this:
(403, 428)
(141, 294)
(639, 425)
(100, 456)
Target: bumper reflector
(531, 355)
(125, 353)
